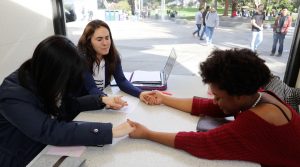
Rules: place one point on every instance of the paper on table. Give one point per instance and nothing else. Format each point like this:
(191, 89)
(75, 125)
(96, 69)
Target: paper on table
(72, 151)
(127, 75)
(132, 104)
(146, 77)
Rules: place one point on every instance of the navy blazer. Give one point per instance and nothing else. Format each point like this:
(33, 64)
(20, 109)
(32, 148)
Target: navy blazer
(25, 129)
(121, 81)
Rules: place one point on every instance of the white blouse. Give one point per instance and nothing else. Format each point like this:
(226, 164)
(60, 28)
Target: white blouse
(99, 74)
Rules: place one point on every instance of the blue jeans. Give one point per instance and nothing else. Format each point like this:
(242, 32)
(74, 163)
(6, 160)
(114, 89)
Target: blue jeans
(257, 38)
(278, 37)
(203, 31)
(198, 29)
(209, 31)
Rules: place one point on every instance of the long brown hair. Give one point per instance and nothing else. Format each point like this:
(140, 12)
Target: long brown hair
(86, 49)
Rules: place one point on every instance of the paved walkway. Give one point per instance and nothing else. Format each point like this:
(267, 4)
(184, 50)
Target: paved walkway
(145, 44)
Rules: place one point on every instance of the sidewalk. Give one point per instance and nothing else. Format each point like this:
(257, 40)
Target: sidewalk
(145, 44)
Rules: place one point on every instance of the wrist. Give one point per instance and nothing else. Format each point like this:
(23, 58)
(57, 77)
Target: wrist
(103, 98)
(113, 131)
(148, 134)
(140, 95)
(163, 98)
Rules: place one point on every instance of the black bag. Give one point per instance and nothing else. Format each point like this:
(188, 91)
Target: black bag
(207, 123)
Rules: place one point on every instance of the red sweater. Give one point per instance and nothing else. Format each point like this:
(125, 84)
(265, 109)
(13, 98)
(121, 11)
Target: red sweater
(247, 138)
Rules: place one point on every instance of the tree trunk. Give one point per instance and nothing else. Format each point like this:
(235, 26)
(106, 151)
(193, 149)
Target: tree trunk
(132, 6)
(216, 4)
(202, 3)
(226, 8)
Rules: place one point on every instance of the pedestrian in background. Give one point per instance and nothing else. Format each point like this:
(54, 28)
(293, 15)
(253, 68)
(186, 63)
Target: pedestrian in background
(198, 21)
(280, 29)
(212, 21)
(257, 21)
(203, 18)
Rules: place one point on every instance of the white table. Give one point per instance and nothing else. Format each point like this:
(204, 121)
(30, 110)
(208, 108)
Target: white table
(142, 153)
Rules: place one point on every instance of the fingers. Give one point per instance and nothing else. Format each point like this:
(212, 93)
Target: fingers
(150, 97)
(131, 123)
(116, 106)
(123, 129)
(119, 100)
(147, 97)
(115, 102)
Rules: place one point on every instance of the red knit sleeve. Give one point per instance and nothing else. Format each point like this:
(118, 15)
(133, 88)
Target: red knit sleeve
(248, 138)
(232, 141)
(205, 106)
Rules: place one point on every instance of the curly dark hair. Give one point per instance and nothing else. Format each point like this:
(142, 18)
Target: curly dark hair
(237, 71)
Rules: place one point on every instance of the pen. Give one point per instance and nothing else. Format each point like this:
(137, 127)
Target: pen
(166, 93)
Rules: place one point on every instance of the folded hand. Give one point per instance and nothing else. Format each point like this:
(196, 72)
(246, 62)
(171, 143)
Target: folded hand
(151, 97)
(139, 132)
(115, 102)
(122, 130)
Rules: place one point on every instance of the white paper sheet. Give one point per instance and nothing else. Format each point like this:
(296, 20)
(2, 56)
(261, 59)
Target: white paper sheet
(72, 151)
(146, 77)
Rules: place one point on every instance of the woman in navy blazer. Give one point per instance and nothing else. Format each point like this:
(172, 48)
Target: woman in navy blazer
(103, 60)
(39, 101)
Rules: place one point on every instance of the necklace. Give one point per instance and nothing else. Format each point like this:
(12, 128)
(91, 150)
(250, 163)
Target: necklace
(257, 100)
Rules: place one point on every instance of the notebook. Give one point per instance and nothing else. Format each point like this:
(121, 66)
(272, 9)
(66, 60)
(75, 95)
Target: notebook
(154, 80)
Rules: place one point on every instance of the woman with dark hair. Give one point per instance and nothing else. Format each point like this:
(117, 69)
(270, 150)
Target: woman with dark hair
(265, 130)
(97, 47)
(39, 101)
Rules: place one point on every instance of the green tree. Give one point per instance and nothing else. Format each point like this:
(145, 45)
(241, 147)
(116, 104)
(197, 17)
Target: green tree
(132, 6)
(123, 5)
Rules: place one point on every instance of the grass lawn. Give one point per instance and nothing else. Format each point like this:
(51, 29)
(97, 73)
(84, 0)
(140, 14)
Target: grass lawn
(189, 13)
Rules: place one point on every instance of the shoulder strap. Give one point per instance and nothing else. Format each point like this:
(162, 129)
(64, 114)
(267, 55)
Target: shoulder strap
(287, 118)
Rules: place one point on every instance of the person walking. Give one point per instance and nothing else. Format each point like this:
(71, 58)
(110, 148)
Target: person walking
(212, 21)
(203, 19)
(257, 28)
(198, 21)
(280, 29)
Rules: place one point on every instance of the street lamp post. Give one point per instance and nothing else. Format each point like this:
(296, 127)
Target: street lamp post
(163, 8)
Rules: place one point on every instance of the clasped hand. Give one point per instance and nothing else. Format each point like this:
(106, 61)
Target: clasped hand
(152, 97)
(133, 129)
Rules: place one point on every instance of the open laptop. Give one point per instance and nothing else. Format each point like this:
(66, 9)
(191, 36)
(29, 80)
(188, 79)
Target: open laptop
(154, 80)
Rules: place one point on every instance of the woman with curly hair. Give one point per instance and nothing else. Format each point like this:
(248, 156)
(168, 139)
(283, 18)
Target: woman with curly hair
(266, 130)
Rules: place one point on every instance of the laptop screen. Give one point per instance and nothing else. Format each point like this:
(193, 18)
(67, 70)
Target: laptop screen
(169, 65)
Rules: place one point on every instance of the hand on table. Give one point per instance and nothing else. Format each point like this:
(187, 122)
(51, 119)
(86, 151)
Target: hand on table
(152, 97)
(122, 130)
(139, 132)
(114, 102)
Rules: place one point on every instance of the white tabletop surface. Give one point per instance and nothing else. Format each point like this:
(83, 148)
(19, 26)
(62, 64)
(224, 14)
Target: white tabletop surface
(142, 153)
